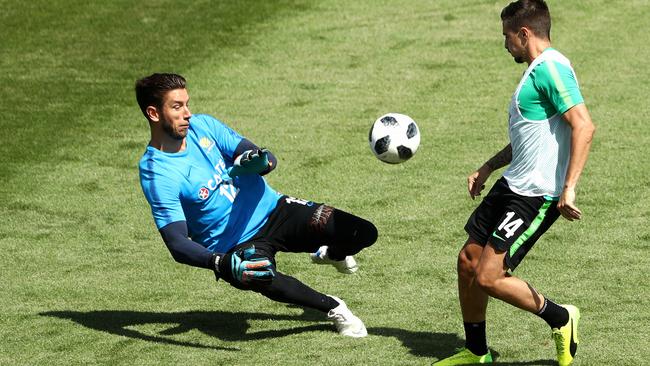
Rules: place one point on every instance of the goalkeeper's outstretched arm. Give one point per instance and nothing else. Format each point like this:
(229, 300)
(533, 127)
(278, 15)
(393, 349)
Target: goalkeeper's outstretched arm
(241, 266)
(184, 250)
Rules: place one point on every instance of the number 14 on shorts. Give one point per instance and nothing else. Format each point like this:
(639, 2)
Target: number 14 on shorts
(509, 225)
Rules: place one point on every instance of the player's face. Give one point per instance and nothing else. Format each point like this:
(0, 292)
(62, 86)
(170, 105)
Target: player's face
(175, 113)
(514, 45)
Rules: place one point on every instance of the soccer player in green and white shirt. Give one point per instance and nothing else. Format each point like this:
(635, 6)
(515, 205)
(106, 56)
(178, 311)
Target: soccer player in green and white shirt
(550, 135)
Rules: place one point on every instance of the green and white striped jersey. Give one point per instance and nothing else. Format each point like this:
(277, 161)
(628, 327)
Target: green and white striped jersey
(540, 138)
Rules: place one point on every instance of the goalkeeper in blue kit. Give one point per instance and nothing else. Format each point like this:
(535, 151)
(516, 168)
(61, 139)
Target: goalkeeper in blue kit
(214, 209)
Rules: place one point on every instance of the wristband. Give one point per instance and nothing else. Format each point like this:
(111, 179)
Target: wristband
(216, 258)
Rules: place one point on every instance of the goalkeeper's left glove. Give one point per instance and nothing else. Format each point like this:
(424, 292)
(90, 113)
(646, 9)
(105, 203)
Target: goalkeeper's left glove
(250, 162)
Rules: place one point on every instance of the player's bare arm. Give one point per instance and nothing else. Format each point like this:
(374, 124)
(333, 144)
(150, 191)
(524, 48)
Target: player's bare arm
(476, 181)
(582, 132)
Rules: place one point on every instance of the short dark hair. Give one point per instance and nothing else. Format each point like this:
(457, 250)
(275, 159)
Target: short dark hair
(150, 90)
(533, 14)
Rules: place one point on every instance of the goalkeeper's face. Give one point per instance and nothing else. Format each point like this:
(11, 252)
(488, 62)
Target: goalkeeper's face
(174, 114)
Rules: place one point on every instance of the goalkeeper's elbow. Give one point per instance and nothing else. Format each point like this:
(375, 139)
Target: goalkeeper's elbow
(273, 163)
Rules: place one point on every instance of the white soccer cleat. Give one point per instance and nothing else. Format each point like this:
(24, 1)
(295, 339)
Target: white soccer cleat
(346, 323)
(347, 265)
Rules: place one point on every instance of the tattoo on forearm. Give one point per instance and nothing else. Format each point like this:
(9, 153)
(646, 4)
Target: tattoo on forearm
(501, 159)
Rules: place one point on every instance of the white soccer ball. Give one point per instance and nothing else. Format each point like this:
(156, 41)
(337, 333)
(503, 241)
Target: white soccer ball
(394, 138)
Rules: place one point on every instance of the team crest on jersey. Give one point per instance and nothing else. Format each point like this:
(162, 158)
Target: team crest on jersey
(206, 143)
(204, 193)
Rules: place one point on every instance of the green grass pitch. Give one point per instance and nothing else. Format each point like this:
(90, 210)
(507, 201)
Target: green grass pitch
(86, 279)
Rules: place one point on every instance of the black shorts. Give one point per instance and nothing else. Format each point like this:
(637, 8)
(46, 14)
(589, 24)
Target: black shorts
(300, 226)
(512, 223)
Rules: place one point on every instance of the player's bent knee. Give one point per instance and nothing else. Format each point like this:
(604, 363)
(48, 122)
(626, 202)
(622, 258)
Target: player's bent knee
(465, 266)
(487, 282)
(368, 234)
(354, 231)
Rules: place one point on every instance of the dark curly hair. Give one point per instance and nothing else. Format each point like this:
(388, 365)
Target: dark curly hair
(533, 14)
(150, 90)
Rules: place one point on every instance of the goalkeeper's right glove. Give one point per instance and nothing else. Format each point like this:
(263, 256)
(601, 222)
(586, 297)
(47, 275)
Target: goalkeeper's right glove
(244, 268)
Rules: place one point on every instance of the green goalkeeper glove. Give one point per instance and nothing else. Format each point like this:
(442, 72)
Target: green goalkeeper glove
(250, 162)
(248, 270)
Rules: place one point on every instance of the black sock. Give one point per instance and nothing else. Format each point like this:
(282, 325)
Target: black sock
(334, 255)
(287, 289)
(555, 315)
(475, 339)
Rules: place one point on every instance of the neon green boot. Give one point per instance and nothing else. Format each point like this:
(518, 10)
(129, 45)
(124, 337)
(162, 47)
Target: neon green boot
(566, 337)
(465, 357)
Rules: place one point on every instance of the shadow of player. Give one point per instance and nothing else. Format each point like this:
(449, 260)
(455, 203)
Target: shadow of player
(223, 325)
(234, 326)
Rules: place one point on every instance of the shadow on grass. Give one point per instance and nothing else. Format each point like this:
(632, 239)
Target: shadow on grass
(226, 326)
(423, 344)
(233, 326)
(440, 345)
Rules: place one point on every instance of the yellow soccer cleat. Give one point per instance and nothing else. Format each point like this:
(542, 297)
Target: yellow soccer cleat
(566, 337)
(465, 357)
